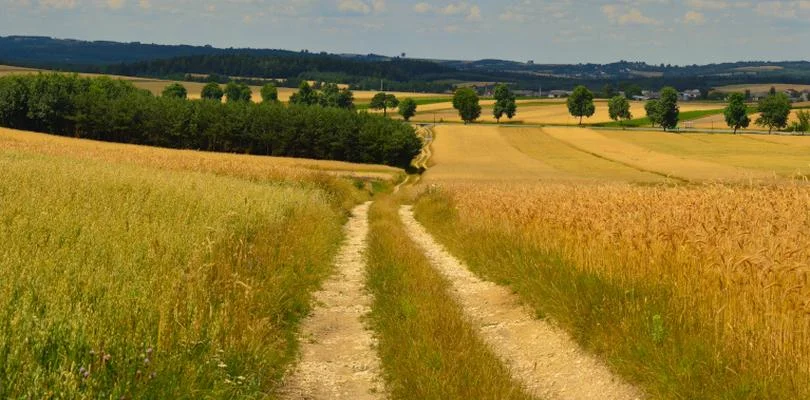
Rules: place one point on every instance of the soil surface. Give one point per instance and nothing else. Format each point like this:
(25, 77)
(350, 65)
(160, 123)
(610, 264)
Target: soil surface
(338, 356)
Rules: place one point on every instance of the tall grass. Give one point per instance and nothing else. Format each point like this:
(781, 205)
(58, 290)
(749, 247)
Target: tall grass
(427, 348)
(693, 292)
(123, 281)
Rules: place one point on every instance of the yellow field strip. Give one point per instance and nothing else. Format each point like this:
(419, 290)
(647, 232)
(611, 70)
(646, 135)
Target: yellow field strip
(538, 144)
(598, 143)
(481, 153)
(258, 167)
(784, 156)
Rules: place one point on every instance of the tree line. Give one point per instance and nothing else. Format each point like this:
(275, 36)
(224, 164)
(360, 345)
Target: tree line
(115, 110)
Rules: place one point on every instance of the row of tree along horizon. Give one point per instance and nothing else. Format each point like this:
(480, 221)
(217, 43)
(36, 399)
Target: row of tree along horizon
(663, 112)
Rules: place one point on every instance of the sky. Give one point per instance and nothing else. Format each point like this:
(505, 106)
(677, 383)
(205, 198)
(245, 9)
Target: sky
(676, 32)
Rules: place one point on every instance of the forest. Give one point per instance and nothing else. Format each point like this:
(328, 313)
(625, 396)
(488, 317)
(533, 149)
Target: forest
(114, 110)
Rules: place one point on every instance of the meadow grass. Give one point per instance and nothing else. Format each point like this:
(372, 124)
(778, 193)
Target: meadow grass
(682, 117)
(690, 292)
(420, 101)
(140, 278)
(428, 350)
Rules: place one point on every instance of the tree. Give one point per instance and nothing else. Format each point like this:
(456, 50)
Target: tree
(774, 111)
(632, 90)
(608, 92)
(175, 90)
(212, 91)
(619, 109)
(305, 96)
(237, 92)
(465, 100)
(580, 103)
(269, 93)
(653, 109)
(332, 96)
(407, 108)
(383, 101)
(668, 108)
(803, 121)
(504, 103)
(736, 112)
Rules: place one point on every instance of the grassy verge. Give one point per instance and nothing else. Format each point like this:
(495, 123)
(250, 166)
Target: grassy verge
(124, 281)
(427, 349)
(639, 328)
(420, 101)
(684, 116)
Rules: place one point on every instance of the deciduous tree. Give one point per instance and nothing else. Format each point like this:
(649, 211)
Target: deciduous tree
(269, 93)
(305, 95)
(237, 92)
(505, 103)
(465, 100)
(668, 107)
(653, 110)
(212, 91)
(774, 111)
(175, 90)
(383, 101)
(407, 108)
(580, 103)
(619, 109)
(736, 112)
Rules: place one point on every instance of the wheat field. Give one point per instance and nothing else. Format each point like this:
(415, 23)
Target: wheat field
(729, 264)
(136, 272)
(492, 153)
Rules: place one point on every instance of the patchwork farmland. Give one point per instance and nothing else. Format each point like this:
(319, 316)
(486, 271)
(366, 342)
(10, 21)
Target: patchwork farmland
(476, 243)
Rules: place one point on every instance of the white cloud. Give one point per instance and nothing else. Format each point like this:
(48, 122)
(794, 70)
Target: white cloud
(694, 17)
(58, 4)
(361, 6)
(354, 6)
(708, 4)
(474, 14)
(422, 8)
(470, 12)
(778, 9)
(633, 16)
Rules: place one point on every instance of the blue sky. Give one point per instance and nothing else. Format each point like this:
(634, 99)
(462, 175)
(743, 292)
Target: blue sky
(557, 31)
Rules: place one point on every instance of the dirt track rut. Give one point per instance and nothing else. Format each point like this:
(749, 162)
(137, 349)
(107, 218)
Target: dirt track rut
(338, 356)
(545, 359)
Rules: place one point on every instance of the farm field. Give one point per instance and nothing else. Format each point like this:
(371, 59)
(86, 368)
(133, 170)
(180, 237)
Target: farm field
(552, 111)
(719, 122)
(761, 88)
(492, 153)
(212, 258)
(688, 273)
(783, 156)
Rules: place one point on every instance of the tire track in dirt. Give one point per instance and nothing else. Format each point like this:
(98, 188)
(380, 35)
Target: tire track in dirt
(544, 358)
(338, 356)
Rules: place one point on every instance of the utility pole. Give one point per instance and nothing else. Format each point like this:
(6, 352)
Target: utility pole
(381, 85)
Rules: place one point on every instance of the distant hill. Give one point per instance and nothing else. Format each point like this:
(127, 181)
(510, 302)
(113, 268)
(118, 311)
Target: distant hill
(366, 71)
